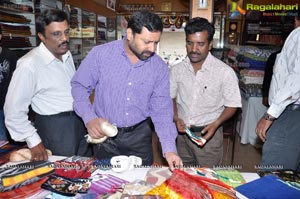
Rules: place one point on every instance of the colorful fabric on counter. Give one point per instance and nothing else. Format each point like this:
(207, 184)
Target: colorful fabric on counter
(24, 191)
(183, 185)
(106, 184)
(15, 176)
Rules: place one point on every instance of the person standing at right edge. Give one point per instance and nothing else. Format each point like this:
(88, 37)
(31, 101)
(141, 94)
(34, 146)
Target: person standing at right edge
(205, 93)
(279, 128)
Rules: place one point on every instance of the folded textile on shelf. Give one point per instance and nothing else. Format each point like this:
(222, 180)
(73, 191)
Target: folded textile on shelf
(106, 184)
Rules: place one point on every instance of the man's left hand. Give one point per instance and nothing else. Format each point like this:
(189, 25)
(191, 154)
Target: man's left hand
(261, 128)
(173, 160)
(209, 131)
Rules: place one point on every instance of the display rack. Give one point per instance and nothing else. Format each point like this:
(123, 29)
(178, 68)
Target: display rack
(88, 31)
(76, 35)
(264, 30)
(101, 29)
(17, 19)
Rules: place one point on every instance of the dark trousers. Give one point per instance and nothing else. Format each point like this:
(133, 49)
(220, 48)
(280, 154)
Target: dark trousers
(282, 147)
(136, 140)
(63, 134)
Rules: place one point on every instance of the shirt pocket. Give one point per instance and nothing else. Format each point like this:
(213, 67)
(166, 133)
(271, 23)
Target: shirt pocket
(210, 95)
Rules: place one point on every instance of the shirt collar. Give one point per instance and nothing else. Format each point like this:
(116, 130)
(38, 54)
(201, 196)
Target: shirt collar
(140, 62)
(207, 62)
(205, 66)
(48, 57)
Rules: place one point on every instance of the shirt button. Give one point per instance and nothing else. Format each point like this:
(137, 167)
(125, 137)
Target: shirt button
(126, 113)
(129, 83)
(127, 98)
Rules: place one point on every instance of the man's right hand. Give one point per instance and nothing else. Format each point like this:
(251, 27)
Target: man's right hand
(94, 129)
(38, 152)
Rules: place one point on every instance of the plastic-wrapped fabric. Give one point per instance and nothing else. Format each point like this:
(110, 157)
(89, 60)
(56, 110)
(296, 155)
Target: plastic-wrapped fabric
(182, 185)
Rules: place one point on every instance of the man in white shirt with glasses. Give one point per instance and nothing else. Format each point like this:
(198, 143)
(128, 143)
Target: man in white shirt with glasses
(42, 80)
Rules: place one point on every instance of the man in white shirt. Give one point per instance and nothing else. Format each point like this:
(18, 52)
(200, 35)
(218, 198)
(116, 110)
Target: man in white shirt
(279, 127)
(205, 93)
(42, 81)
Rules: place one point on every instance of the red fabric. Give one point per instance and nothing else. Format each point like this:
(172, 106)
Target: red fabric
(24, 191)
(187, 186)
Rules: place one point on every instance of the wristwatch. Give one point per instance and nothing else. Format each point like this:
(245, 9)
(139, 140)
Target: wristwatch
(268, 117)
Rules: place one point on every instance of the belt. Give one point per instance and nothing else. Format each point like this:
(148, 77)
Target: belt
(131, 128)
(196, 128)
(66, 113)
(293, 107)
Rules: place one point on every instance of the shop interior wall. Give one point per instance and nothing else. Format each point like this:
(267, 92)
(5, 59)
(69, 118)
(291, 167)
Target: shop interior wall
(176, 5)
(93, 6)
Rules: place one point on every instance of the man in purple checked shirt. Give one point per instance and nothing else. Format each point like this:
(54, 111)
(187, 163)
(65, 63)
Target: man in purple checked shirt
(131, 85)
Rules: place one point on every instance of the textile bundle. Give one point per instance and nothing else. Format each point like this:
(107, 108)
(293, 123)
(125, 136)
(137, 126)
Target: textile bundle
(183, 185)
(23, 174)
(252, 62)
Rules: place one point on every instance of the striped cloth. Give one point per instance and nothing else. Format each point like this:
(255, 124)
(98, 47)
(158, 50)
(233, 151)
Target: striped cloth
(24, 191)
(106, 183)
(14, 176)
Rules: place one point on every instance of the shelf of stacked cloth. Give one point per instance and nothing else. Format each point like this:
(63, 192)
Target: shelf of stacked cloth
(251, 62)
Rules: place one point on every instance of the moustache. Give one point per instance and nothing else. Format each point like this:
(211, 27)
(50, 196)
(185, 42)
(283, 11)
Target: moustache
(194, 53)
(63, 43)
(149, 52)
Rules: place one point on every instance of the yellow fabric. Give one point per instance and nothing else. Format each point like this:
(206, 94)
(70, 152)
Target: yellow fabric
(164, 191)
(12, 180)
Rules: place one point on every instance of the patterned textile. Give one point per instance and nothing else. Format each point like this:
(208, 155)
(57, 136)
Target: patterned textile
(255, 64)
(256, 58)
(66, 186)
(106, 183)
(15, 176)
(253, 50)
(252, 80)
(24, 191)
(183, 185)
(252, 73)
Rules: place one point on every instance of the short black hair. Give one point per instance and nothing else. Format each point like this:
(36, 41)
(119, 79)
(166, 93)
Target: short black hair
(146, 19)
(199, 24)
(49, 16)
(0, 29)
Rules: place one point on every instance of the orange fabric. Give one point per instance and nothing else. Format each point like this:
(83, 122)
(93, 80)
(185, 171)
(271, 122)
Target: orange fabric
(13, 180)
(181, 185)
(24, 191)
